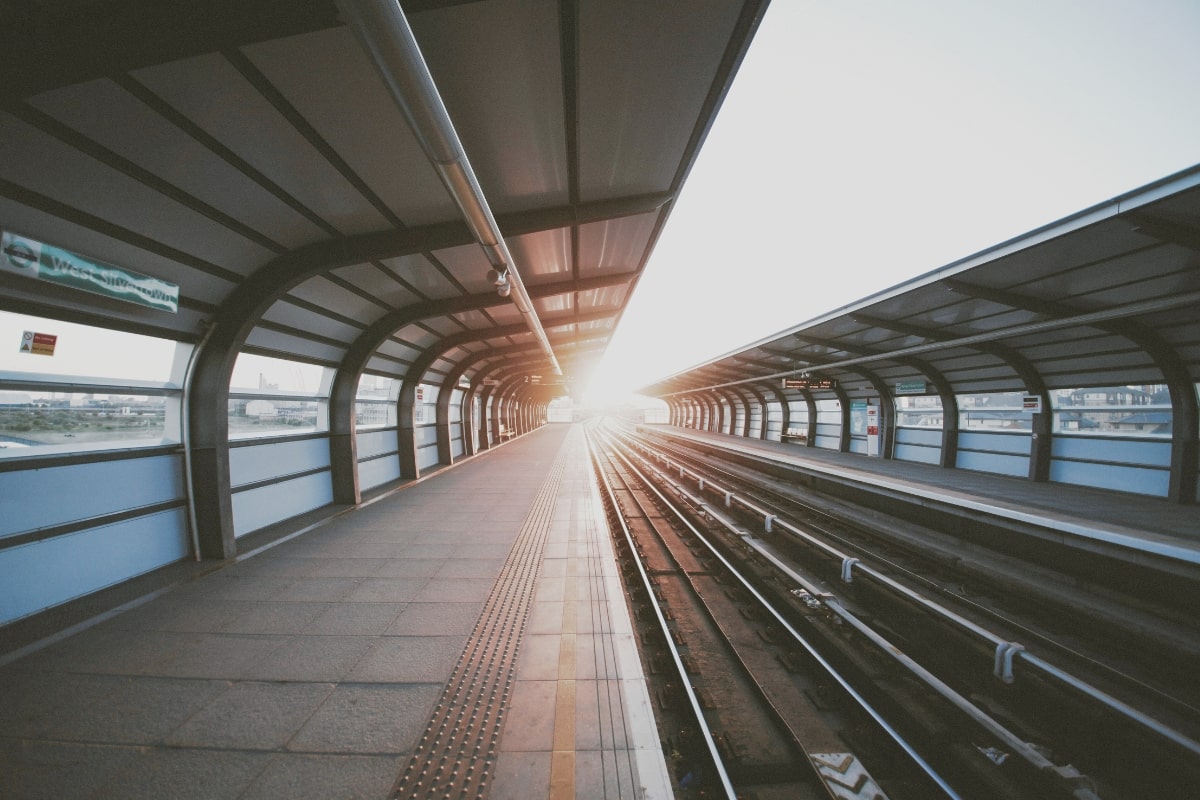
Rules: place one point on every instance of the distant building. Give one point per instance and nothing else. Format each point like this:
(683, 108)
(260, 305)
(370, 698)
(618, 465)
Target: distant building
(260, 408)
(1144, 422)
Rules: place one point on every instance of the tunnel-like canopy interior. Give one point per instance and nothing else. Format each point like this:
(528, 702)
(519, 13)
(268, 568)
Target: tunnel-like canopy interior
(449, 205)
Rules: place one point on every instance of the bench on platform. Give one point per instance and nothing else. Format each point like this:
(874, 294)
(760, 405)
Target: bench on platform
(794, 435)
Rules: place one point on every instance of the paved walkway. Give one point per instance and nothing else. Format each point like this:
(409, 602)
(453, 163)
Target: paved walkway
(318, 667)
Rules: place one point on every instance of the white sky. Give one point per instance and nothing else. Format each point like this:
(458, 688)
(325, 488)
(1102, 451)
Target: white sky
(865, 142)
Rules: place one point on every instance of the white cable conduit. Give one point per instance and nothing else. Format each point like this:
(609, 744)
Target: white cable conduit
(384, 33)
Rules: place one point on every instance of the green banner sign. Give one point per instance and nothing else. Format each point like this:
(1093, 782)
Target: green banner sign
(45, 262)
(910, 387)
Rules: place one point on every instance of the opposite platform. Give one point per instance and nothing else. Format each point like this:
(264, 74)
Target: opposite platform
(1137, 523)
(475, 614)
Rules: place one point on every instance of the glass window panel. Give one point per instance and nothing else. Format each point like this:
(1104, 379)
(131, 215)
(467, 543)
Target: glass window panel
(919, 411)
(108, 356)
(829, 412)
(254, 374)
(1113, 411)
(374, 415)
(1003, 411)
(69, 421)
(375, 387)
(257, 416)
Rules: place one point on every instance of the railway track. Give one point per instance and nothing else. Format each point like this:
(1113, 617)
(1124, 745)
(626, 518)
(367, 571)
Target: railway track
(1147, 636)
(872, 673)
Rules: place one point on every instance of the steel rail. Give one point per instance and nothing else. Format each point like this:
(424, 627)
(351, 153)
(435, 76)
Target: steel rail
(1006, 651)
(799, 638)
(693, 700)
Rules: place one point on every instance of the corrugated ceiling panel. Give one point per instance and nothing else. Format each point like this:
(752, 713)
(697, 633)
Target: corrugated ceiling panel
(387, 367)
(615, 246)
(514, 137)
(113, 117)
(613, 297)
(442, 326)
(211, 92)
(327, 76)
(402, 351)
(467, 264)
(379, 283)
(285, 345)
(67, 175)
(321, 292)
(293, 316)
(642, 90)
(558, 304)
(542, 257)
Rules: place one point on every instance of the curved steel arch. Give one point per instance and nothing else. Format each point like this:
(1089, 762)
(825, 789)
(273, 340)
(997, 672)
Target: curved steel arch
(451, 381)
(408, 455)
(238, 315)
(1022, 367)
(1185, 412)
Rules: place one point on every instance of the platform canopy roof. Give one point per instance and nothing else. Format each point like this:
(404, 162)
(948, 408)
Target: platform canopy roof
(262, 156)
(1107, 297)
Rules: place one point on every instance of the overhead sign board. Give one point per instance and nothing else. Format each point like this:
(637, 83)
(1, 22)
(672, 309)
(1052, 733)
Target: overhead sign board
(45, 262)
(490, 382)
(1032, 403)
(809, 383)
(910, 387)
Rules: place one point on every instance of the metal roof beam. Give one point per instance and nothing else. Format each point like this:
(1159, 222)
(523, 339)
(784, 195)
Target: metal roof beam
(383, 30)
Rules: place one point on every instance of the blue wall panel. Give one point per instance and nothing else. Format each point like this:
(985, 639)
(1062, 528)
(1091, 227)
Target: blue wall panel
(1014, 443)
(918, 453)
(999, 463)
(373, 443)
(923, 445)
(43, 574)
(268, 460)
(378, 471)
(56, 495)
(427, 457)
(266, 505)
(1154, 482)
(425, 436)
(1124, 451)
(926, 437)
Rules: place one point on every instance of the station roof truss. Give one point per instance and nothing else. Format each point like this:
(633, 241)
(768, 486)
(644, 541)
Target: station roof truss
(1107, 297)
(261, 156)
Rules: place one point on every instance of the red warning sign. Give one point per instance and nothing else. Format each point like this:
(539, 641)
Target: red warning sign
(38, 344)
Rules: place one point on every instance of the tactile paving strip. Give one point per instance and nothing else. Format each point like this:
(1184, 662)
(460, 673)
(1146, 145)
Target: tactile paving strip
(457, 753)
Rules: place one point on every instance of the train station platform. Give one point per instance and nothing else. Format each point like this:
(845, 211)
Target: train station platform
(465, 635)
(1139, 525)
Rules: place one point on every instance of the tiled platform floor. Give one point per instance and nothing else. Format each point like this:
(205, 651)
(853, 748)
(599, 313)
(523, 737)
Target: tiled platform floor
(312, 668)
